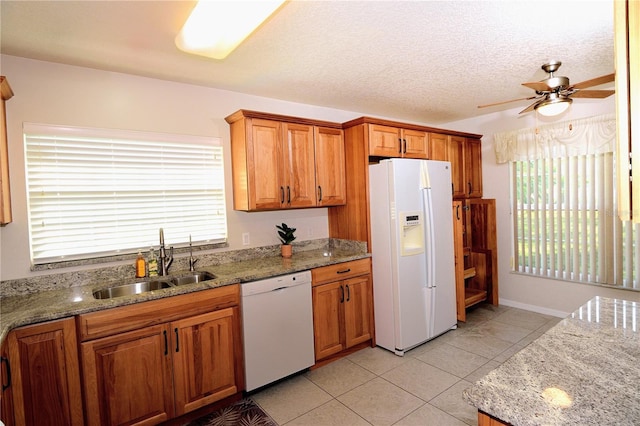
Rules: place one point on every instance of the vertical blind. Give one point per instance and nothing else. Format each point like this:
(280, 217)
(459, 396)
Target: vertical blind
(99, 192)
(565, 206)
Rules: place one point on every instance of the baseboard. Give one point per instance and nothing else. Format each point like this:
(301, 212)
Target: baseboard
(534, 308)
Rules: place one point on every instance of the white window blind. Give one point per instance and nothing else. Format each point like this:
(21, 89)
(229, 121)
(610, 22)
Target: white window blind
(565, 206)
(99, 192)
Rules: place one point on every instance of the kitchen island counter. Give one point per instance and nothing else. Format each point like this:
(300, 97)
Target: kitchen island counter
(583, 371)
(39, 306)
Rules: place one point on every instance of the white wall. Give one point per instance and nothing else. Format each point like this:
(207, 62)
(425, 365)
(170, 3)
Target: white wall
(59, 94)
(52, 93)
(554, 297)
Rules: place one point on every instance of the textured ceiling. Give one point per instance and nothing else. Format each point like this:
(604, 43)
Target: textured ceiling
(426, 61)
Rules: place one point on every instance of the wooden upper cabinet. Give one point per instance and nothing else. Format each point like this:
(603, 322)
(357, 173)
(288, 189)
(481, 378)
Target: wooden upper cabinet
(299, 183)
(416, 144)
(5, 189)
(438, 147)
(281, 162)
(473, 167)
(330, 167)
(45, 374)
(394, 142)
(456, 157)
(264, 168)
(465, 155)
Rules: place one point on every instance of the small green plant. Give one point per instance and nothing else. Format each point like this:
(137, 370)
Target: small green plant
(286, 233)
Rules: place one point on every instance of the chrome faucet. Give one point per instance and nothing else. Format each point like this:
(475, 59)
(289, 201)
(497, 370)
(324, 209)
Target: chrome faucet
(192, 261)
(165, 262)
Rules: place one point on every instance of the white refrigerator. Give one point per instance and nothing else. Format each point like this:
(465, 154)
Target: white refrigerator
(414, 288)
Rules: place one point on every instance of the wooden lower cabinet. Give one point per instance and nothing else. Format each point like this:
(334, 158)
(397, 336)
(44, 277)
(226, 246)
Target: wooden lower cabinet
(42, 373)
(476, 255)
(204, 358)
(155, 373)
(487, 420)
(6, 399)
(342, 307)
(128, 378)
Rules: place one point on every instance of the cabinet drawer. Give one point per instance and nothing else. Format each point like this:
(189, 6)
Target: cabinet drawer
(340, 271)
(131, 317)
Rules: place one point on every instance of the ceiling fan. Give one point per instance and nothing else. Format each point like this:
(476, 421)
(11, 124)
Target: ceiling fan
(554, 94)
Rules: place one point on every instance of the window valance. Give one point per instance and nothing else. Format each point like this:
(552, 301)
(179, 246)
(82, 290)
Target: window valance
(591, 135)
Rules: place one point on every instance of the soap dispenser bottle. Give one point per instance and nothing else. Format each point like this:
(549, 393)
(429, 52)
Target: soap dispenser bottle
(153, 263)
(141, 266)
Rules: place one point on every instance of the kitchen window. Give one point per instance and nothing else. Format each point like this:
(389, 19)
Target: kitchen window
(565, 206)
(100, 192)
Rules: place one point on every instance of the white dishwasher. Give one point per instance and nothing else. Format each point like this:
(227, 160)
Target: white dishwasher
(277, 322)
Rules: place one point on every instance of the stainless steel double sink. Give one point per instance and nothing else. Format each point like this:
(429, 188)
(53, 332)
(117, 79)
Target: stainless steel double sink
(145, 285)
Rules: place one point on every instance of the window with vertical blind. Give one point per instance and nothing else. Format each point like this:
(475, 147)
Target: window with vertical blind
(100, 192)
(565, 206)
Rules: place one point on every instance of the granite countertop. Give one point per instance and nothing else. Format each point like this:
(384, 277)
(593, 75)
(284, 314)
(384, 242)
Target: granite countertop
(53, 304)
(583, 371)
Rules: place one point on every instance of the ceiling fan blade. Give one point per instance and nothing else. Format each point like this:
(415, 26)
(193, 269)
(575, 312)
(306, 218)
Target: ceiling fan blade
(529, 108)
(595, 94)
(538, 86)
(595, 81)
(506, 102)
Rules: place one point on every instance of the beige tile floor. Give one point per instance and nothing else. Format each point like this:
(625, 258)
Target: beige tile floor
(375, 387)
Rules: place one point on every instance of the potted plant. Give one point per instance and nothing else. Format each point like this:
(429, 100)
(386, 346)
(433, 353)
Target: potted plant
(286, 235)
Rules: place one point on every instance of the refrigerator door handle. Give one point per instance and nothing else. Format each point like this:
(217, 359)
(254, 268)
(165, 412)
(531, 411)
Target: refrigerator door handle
(429, 237)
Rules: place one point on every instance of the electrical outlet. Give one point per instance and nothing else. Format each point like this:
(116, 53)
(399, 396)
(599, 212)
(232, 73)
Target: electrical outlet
(245, 239)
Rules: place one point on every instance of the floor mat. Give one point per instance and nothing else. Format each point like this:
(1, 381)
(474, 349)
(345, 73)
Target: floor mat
(243, 413)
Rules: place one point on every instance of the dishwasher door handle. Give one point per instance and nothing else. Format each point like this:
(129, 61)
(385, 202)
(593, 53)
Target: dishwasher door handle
(280, 288)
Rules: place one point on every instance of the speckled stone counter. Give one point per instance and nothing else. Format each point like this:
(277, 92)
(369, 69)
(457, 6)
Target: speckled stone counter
(583, 371)
(41, 306)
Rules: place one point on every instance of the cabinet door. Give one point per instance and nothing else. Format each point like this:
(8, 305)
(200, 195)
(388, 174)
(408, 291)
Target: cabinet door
(45, 374)
(473, 168)
(264, 164)
(384, 141)
(299, 165)
(127, 377)
(458, 250)
(438, 145)
(327, 319)
(416, 144)
(203, 350)
(357, 310)
(330, 167)
(6, 400)
(455, 155)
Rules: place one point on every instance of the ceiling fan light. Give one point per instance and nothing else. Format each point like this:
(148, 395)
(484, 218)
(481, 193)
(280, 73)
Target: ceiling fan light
(215, 28)
(553, 105)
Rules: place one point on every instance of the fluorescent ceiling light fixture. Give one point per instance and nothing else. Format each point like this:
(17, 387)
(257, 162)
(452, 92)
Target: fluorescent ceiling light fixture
(554, 104)
(215, 28)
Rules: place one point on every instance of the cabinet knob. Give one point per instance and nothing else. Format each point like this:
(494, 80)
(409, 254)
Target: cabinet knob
(341, 294)
(177, 340)
(348, 293)
(319, 193)
(470, 187)
(281, 195)
(288, 194)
